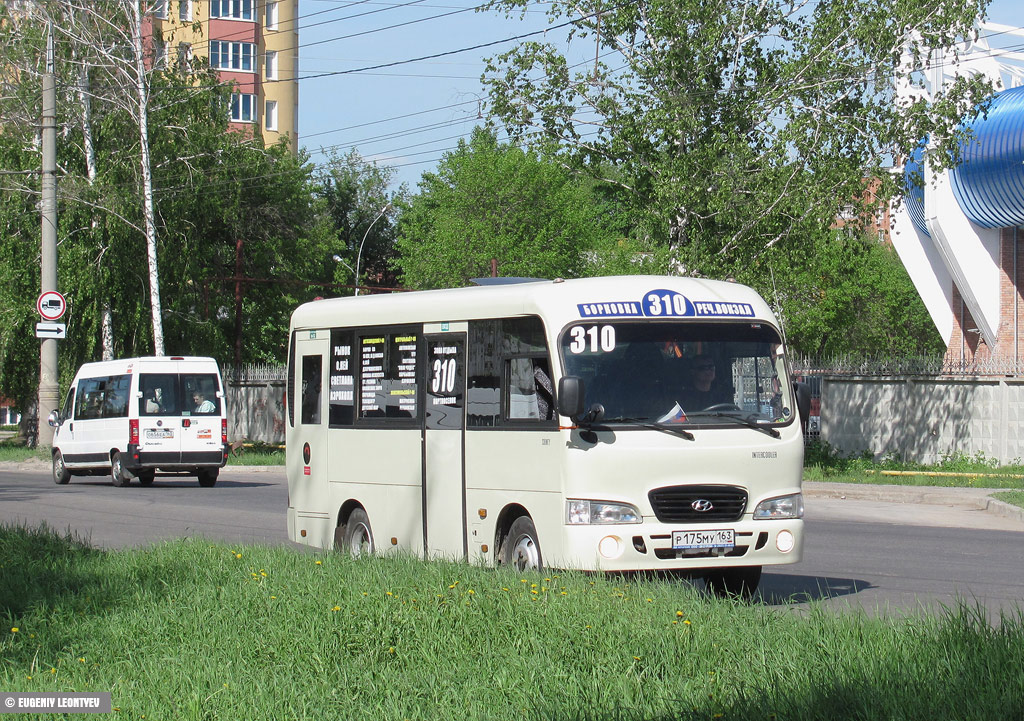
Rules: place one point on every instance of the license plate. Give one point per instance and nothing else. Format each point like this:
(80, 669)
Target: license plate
(159, 433)
(708, 538)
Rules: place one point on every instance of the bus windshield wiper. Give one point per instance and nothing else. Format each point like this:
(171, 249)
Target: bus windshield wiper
(645, 423)
(747, 421)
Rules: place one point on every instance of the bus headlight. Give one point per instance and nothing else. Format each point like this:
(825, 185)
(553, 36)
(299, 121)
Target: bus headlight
(579, 512)
(781, 507)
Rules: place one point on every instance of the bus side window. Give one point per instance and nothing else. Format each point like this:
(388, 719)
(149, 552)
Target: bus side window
(509, 373)
(312, 366)
(69, 405)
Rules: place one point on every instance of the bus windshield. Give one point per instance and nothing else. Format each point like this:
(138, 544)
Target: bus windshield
(681, 373)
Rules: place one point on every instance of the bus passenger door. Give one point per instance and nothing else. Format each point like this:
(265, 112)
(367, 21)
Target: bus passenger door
(444, 478)
(308, 494)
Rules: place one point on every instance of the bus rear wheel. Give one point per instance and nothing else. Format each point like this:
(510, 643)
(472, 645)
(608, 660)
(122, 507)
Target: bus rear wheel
(207, 477)
(358, 536)
(734, 582)
(118, 475)
(521, 547)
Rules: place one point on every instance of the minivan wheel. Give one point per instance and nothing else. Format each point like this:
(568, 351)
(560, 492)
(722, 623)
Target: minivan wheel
(118, 475)
(208, 477)
(60, 471)
(146, 477)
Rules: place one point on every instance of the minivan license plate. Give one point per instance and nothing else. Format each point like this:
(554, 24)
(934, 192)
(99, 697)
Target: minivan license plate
(708, 538)
(159, 433)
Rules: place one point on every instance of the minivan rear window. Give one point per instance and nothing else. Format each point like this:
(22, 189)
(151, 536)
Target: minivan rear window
(174, 394)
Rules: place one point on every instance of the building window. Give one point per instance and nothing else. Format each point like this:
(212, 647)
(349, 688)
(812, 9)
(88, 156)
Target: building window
(271, 20)
(231, 9)
(243, 108)
(160, 9)
(271, 66)
(270, 115)
(232, 56)
(185, 11)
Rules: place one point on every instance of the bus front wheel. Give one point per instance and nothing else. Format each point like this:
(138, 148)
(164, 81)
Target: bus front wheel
(60, 471)
(358, 536)
(734, 582)
(521, 547)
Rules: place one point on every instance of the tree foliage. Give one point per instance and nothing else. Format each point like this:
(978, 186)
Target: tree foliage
(361, 209)
(491, 200)
(215, 191)
(846, 293)
(734, 125)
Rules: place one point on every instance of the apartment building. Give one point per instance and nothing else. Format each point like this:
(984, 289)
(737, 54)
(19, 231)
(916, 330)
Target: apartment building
(252, 43)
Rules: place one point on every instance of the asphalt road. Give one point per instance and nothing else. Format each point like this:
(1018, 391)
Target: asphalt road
(877, 549)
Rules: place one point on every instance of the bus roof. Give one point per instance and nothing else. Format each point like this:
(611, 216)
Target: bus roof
(559, 302)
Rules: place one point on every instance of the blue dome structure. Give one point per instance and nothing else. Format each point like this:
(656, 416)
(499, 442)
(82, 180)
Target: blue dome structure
(989, 182)
(913, 183)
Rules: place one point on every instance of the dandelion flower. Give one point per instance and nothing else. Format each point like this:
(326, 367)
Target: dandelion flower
(636, 658)
(319, 563)
(15, 629)
(679, 613)
(336, 608)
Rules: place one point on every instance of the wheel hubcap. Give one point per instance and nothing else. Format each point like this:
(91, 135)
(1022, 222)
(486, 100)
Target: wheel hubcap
(524, 554)
(361, 542)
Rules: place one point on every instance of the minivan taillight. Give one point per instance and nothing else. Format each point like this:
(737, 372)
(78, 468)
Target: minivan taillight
(133, 431)
(223, 430)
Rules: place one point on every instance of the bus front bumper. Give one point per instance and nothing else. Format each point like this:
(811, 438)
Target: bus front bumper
(649, 546)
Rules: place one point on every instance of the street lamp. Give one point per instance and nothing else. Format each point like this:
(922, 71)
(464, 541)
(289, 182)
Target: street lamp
(359, 255)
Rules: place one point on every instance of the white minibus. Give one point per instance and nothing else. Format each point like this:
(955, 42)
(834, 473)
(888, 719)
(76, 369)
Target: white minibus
(611, 424)
(131, 417)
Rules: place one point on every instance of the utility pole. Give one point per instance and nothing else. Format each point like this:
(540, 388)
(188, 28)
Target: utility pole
(48, 392)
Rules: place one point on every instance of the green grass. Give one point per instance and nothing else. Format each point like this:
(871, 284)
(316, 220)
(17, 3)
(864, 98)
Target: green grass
(824, 463)
(1015, 498)
(194, 630)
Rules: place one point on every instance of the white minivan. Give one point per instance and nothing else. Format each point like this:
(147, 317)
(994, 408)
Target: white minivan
(133, 416)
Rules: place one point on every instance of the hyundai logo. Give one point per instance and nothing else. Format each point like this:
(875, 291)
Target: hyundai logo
(702, 505)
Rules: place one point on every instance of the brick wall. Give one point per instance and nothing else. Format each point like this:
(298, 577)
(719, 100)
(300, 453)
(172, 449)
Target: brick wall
(967, 346)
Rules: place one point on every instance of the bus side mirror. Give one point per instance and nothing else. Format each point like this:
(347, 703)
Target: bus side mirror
(802, 391)
(570, 396)
(53, 419)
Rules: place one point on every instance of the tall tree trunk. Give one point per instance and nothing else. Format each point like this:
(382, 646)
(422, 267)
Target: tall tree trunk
(84, 98)
(142, 91)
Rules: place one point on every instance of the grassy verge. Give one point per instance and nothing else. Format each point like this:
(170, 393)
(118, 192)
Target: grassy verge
(193, 630)
(823, 463)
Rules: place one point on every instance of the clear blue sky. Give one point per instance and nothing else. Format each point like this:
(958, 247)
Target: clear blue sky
(407, 115)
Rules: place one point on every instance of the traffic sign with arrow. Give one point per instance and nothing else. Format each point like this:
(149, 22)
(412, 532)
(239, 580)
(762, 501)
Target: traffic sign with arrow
(51, 330)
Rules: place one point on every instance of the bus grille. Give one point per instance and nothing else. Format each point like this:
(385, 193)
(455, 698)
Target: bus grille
(675, 504)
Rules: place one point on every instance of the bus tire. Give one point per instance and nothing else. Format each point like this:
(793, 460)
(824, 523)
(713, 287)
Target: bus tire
(734, 582)
(520, 548)
(207, 477)
(118, 475)
(60, 472)
(358, 535)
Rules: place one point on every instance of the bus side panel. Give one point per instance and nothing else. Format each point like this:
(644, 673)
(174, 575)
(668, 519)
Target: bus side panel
(382, 470)
(516, 467)
(394, 511)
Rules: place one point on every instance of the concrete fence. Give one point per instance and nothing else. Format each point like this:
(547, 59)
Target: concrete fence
(256, 404)
(924, 418)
